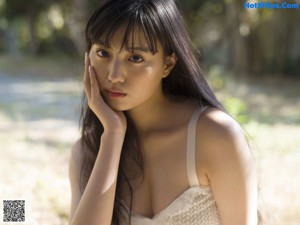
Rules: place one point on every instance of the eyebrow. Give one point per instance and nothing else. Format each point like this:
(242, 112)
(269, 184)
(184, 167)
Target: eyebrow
(131, 49)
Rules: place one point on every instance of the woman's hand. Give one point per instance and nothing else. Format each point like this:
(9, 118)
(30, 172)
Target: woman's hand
(112, 121)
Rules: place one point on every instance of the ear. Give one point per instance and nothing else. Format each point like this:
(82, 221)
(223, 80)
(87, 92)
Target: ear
(170, 62)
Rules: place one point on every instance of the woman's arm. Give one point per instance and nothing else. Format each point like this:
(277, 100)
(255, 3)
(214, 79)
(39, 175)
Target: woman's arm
(229, 167)
(95, 206)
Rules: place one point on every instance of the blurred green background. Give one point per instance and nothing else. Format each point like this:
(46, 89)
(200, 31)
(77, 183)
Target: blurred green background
(251, 58)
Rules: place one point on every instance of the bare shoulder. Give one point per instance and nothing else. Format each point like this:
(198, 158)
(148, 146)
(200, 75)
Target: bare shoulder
(227, 166)
(217, 123)
(220, 139)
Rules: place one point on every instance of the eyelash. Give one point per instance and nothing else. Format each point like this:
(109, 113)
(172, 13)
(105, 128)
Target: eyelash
(140, 58)
(99, 51)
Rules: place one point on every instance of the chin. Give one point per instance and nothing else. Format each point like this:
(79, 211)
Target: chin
(117, 107)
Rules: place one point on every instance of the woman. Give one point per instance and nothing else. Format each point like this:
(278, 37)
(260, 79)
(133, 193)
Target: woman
(156, 146)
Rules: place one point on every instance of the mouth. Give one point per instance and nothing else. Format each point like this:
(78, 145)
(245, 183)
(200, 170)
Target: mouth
(115, 93)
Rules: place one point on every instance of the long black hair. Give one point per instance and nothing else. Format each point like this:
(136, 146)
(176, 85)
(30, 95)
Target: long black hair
(159, 20)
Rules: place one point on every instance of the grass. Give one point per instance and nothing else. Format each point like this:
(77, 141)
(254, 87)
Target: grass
(39, 110)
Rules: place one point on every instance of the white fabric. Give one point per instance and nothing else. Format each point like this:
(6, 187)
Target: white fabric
(191, 143)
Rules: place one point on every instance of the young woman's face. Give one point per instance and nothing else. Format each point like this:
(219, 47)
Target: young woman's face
(129, 79)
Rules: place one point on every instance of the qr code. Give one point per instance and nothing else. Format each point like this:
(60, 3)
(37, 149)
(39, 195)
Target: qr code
(13, 210)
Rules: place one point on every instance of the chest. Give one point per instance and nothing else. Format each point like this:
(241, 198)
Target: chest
(165, 174)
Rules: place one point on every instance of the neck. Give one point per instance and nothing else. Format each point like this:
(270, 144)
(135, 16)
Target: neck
(152, 115)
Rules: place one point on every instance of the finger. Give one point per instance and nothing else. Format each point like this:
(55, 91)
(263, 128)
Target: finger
(86, 77)
(95, 90)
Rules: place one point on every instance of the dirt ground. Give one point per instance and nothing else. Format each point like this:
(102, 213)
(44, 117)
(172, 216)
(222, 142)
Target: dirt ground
(39, 123)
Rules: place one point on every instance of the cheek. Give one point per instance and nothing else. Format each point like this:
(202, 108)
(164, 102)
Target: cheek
(150, 71)
(142, 72)
(99, 67)
(146, 81)
(153, 74)
(143, 78)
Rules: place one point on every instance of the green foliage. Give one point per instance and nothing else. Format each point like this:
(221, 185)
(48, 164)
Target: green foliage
(57, 45)
(217, 77)
(267, 45)
(237, 109)
(16, 8)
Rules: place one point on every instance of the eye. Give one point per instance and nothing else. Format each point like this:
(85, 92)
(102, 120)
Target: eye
(102, 53)
(136, 58)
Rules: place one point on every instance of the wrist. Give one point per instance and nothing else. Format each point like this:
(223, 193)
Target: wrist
(115, 134)
(115, 130)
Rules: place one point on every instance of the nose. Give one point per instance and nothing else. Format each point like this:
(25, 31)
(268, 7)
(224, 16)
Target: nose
(116, 73)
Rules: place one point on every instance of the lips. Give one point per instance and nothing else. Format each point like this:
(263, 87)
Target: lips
(115, 93)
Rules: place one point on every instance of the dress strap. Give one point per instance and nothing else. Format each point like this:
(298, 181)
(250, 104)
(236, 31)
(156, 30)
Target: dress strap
(191, 147)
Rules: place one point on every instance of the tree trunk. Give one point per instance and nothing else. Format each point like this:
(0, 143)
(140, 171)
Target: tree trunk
(76, 24)
(238, 43)
(32, 18)
(11, 39)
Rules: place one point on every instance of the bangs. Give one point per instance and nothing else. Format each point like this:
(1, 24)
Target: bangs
(134, 22)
